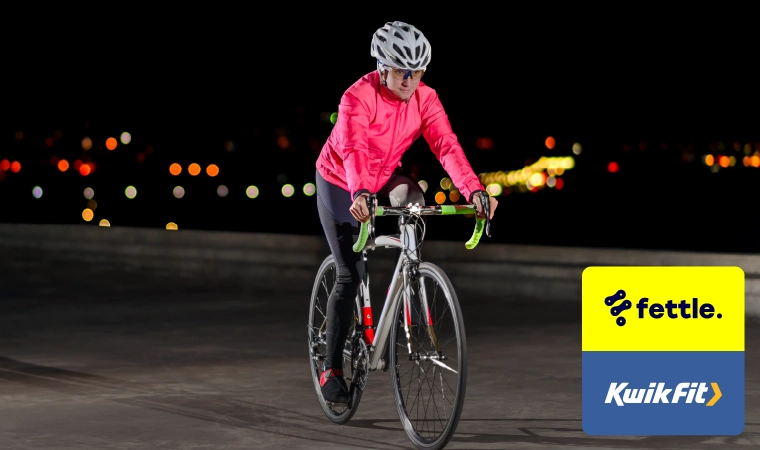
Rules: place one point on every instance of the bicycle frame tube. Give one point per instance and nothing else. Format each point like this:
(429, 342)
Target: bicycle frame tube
(408, 244)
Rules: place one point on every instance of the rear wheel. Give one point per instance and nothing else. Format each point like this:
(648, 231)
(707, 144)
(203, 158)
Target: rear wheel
(323, 286)
(429, 369)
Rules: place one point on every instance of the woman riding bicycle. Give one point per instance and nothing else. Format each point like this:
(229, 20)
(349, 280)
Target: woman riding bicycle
(379, 117)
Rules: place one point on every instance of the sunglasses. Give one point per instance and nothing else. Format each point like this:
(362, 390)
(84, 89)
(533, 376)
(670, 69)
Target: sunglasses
(403, 74)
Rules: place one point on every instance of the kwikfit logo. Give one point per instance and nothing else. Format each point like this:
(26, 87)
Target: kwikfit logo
(689, 392)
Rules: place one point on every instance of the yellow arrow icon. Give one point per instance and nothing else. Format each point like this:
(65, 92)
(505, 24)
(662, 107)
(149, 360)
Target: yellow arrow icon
(717, 395)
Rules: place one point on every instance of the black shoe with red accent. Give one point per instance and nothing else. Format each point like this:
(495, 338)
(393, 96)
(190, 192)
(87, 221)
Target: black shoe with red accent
(333, 386)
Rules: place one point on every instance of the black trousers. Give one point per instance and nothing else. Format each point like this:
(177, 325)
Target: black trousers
(341, 231)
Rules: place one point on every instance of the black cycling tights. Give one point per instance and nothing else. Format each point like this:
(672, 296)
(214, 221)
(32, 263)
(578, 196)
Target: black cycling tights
(341, 230)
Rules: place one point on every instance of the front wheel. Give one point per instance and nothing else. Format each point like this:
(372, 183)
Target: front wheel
(429, 365)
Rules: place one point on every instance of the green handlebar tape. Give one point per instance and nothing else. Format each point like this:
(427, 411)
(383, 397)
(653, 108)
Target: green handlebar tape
(363, 234)
(450, 210)
(447, 210)
(479, 224)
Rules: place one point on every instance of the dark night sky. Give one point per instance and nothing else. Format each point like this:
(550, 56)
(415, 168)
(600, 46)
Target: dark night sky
(185, 81)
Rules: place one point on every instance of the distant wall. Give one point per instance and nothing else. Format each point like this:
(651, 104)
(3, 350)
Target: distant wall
(276, 261)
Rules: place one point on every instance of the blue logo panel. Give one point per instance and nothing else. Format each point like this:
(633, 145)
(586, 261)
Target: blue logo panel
(663, 393)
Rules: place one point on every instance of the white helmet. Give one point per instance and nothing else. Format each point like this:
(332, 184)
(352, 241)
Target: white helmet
(401, 45)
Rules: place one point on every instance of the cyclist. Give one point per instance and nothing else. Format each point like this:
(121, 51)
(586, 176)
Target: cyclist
(379, 117)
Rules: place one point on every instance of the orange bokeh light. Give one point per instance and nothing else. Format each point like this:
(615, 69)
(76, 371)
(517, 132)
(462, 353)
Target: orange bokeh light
(755, 161)
(550, 142)
(454, 196)
(5, 164)
(724, 161)
(111, 143)
(484, 143)
(84, 169)
(63, 165)
(15, 167)
(194, 169)
(440, 197)
(175, 169)
(709, 160)
(212, 170)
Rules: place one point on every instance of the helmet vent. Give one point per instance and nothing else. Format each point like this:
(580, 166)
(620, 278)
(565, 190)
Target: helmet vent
(381, 37)
(427, 58)
(413, 65)
(408, 52)
(398, 35)
(380, 51)
(398, 50)
(405, 28)
(417, 52)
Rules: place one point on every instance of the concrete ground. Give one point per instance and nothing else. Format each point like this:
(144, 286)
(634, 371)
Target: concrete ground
(114, 360)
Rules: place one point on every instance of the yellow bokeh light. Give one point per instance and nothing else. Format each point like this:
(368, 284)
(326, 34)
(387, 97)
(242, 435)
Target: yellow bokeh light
(130, 192)
(179, 191)
(445, 183)
(577, 148)
(454, 196)
(288, 190)
(309, 189)
(732, 161)
(86, 143)
(126, 138)
(171, 226)
(252, 192)
(175, 169)
(212, 170)
(87, 214)
(88, 193)
(494, 189)
(537, 179)
(423, 185)
(111, 143)
(194, 169)
(440, 197)
(105, 223)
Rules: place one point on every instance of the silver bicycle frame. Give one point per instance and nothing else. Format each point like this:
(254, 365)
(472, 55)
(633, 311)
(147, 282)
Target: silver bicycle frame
(407, 242)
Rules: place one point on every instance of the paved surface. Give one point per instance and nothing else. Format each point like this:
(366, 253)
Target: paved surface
(106, 360)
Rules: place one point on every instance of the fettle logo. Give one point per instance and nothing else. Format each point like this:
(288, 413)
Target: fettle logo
(616, 310)
(658, 394)
(671, 309)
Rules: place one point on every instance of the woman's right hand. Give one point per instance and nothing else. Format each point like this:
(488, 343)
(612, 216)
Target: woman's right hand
(359, 209)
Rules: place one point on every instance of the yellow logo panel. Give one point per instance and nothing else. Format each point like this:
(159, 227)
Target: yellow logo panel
(663, 308)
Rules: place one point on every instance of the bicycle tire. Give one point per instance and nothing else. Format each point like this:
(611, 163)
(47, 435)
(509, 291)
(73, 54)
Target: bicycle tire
(400, 362)
(319, 295)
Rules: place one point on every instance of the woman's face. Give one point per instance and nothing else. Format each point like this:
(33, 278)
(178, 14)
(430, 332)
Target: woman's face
(403, 87)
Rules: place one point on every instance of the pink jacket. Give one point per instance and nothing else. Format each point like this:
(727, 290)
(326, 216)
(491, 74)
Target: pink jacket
(375, 128)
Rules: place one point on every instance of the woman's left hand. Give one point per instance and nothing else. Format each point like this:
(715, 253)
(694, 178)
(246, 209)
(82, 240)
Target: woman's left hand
(492, 203)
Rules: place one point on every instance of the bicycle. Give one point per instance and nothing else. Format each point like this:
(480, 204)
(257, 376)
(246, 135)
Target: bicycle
(426, 342)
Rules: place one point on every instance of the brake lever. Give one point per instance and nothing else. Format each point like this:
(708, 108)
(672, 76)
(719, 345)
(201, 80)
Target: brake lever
(371, 207)
(486, 204)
